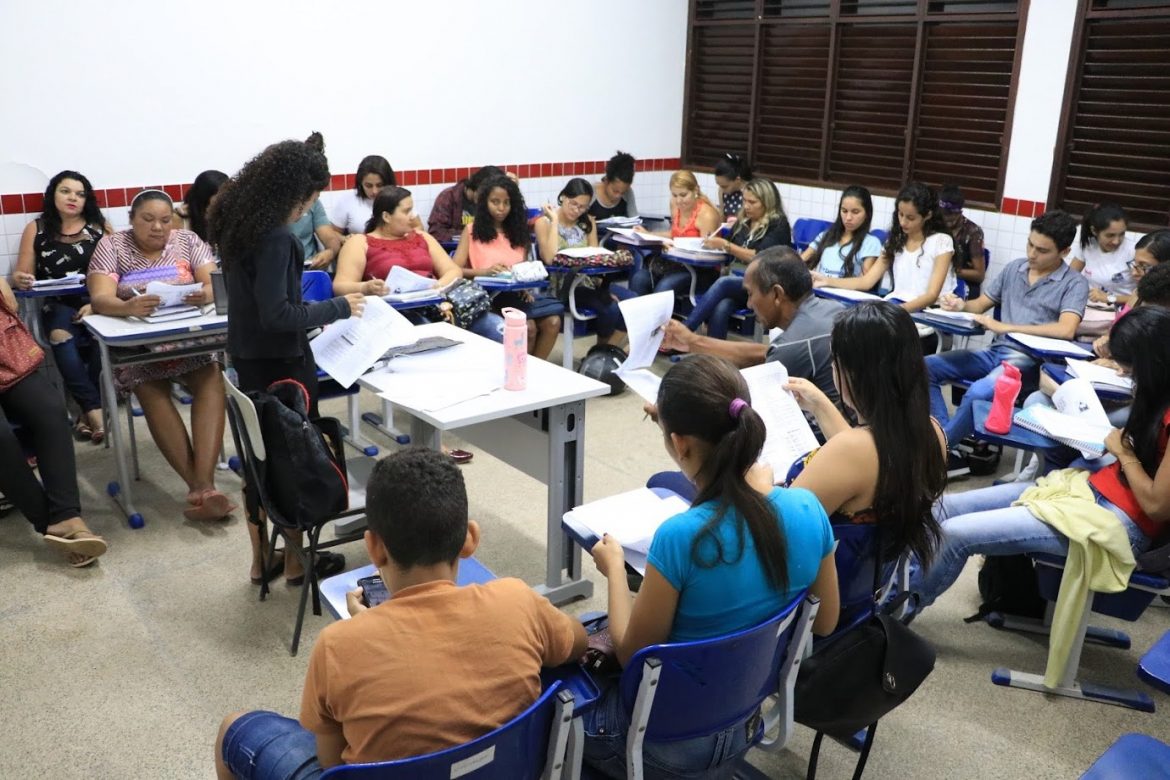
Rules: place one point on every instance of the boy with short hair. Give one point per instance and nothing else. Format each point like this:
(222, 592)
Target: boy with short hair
(435, 666)
(1037, 294)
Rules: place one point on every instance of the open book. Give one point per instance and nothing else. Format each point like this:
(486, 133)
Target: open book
(1078, 420)
(638, 237)
(1100, 377)
(348, 348)
(693, 248)
(631, 518)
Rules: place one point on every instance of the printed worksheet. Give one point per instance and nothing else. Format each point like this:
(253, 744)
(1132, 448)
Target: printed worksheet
(348, 348)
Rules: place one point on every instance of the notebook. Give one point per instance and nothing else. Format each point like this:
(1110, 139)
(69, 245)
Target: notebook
(961, 318)
(1100, 377)
(1078, 420)
(851, 295)
(66, 280)
(637, 237)
(631, 518)
(1051, 346)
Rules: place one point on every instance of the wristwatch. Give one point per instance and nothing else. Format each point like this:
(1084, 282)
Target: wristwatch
(1111, 299)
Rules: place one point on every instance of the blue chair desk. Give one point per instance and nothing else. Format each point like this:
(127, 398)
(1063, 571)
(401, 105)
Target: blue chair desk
(693, 267)
(568, 325)
(641, 251)
(1154, 668)
(1132, 757)
(1073, 350)
(29, 309)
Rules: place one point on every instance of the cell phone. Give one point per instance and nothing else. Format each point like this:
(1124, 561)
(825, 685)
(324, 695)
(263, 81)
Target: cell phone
(373, 590)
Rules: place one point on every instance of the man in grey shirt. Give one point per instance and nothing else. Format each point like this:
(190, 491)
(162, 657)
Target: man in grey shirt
(779, 288)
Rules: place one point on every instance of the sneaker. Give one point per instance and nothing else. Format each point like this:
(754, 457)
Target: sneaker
(957, 465)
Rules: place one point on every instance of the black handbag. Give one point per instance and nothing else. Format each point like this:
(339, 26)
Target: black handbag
(849, 683)
(468, 302)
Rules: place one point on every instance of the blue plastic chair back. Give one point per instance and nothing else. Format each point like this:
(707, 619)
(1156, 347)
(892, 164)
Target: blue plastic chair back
(1154, 667)
(1131, 756)
(709, 685)
(316, 286)
(515, 751)
(856, 556)
(804, 231)
(879, 234)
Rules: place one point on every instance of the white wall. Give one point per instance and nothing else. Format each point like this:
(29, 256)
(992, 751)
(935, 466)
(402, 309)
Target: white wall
(154, 92)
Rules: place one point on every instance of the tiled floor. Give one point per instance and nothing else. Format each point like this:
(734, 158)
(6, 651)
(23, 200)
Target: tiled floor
(123, 670)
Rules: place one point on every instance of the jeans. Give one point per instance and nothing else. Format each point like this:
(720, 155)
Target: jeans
(713, 756)
(77, 358)
(642, 282)
(983, 522)
(36, 406)
(608, 318)
(715, 308)
(982, 368)
(490, 326)
(264, 745)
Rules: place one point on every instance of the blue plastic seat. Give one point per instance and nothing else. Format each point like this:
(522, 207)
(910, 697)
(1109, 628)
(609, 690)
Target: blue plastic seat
(694, 689)
(1132, 757)
(804, 231)
(531, 745)
(1154, 667)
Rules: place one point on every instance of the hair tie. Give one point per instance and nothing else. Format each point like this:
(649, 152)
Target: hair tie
(736, 406)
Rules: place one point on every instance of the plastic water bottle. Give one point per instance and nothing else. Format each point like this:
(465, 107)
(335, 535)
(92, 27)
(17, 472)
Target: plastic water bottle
(1007, 388)
(515, 349)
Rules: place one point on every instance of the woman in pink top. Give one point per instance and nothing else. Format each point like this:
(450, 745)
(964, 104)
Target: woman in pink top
(391, 240)
(497, 239)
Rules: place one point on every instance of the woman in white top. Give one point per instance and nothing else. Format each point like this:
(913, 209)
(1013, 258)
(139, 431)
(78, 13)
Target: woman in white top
(352, 210)
(1104, 253)
(917, 254)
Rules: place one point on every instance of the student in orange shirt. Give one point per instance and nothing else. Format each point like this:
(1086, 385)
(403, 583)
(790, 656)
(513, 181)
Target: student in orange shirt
(400, 679)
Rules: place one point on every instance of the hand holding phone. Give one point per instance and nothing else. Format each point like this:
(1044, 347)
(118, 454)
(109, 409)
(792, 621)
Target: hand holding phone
(374, 590)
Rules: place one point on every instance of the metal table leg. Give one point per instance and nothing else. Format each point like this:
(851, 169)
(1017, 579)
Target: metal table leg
(119, 490)
(384, 423)
(566, 486)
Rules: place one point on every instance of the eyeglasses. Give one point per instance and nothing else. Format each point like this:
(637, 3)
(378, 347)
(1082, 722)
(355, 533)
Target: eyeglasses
(1138, 268)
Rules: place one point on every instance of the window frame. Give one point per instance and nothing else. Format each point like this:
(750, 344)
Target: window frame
(922, 18)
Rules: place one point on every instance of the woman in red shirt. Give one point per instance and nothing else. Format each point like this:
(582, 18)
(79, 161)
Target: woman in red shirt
(1135, 488)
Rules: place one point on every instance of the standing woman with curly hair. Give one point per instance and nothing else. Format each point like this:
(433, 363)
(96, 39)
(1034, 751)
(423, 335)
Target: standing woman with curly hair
(262, 264)
(497, 239)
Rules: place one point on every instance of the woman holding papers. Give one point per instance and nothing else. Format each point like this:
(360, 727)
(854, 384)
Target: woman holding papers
(739, 555)
(263, 263)
(498, 238)
(890, 468)
(152, 249)
(569, 226)
(57, 244)
(391, 241)
(1127, 501)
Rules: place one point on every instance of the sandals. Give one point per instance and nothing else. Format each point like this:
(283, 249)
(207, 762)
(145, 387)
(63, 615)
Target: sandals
(212, 505)
(460, 456)
(328, 564)
(275, 567)
(82, 431)
(84, 543)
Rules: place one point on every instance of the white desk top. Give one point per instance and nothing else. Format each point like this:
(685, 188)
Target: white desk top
(475, 362)
(124, 330)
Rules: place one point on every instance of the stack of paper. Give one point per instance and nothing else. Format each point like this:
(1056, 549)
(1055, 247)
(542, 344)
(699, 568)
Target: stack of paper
(619, 222)
(1049, 346)
(584, 251)
(1100, 377)
(693, 247)
(638, 237)
(400, 280)
(849, 295)
(955, 317)
(631, 518)
(68, 280)
(348, 348)
(646, 318)
(789, 435)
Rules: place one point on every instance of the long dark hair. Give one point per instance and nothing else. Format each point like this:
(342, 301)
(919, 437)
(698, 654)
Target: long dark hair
(1141, 340)
(695, 399)
(733, 166)
(1097, 219)
(386, 202)
(51, 218)
(203, 189)
(575, 187)
(374, 163)
(837, 229)
(515, 225)
(260, 198)
(1156, 243)
(881, 372)
(925, 202)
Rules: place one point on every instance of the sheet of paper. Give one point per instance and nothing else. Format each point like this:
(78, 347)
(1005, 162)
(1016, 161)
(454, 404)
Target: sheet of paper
(1099, 375)
(694, 245)
(1076, 398)
(645, 238)
(172, 294)
(851, 295)
(789, 435)
(642, 381)
(348, 348)
(631, 518)
(1045, 344)
(584, 251)
(417, 295)
(400, 280)
(624, 222)
(66, 280)
(646, 317)
(960, 317)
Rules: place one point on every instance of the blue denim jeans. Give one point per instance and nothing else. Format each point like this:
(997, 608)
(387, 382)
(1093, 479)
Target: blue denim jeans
(490, 326)
(983, 522)
(981, 368)
(642, 282)
(263, 745)
(77, 358)
(714, 756)
(715, 308)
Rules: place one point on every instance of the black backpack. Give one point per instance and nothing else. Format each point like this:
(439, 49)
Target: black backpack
(1007, 584)
(304, 472)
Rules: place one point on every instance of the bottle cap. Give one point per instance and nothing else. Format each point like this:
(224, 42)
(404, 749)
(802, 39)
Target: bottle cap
(514, 316)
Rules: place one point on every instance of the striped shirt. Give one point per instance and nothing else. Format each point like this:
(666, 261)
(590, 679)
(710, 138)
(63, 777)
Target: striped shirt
(117, 255)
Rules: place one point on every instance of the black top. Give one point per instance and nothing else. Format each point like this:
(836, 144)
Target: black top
(599, 212)
(778, 233)
(266, 318)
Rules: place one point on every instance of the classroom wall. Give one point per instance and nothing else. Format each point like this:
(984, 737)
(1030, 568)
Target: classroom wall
(162, 91)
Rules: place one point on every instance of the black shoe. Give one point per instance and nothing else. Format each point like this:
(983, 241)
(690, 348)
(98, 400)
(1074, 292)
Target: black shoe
(328, 564)
(957, 465)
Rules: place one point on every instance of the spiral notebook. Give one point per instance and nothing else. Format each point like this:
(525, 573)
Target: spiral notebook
(1078, 420)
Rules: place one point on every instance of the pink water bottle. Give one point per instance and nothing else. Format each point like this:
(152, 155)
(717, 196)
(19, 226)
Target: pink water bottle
(1007, 387)
(515, 349)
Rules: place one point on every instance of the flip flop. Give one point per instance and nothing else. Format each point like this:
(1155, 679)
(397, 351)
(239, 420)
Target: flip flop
(98, 436)
(213, 506)
(276, 566)
(82, 431)
(461, 456)
(328, 564)
(84, 543)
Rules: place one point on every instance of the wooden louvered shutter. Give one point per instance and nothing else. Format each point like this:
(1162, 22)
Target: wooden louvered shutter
(871, 104)
(790, 102)
(963, 106)
(1118, 136)
(720, 87)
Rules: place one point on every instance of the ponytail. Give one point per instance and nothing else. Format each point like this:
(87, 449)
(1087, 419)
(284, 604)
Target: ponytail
(707, 397)
(1097, 219)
